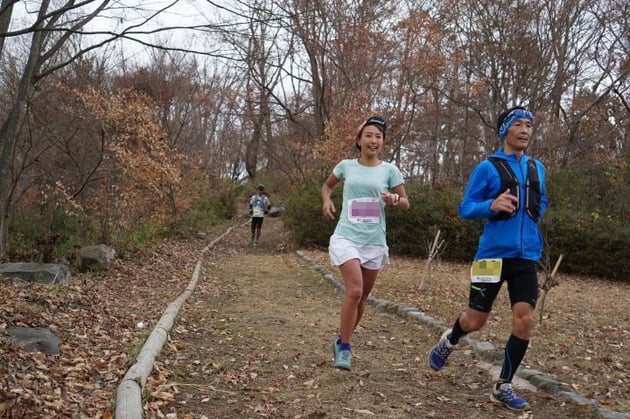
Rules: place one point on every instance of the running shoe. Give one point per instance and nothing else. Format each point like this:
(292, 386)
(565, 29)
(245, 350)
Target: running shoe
(335, 348)
(504, 394)
(440, 352)
(343, 360)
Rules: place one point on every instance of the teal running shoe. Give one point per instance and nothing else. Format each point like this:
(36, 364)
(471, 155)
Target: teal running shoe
(343, 360)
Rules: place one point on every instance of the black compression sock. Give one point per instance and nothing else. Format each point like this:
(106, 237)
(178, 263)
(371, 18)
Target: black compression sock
(457, 333)
(515, 349)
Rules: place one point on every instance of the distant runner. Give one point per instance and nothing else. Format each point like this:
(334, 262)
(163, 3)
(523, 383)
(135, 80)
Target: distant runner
(259, 206)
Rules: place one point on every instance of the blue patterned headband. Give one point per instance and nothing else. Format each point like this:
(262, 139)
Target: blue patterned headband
(512, 117)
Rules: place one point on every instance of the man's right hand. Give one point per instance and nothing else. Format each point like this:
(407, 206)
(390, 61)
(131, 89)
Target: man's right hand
(506, 202)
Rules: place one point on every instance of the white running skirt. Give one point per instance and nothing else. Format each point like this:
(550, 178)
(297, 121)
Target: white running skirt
(370, 256)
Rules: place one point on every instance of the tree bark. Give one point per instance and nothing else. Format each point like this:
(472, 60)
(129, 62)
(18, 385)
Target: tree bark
(11, 127)
(6, 11)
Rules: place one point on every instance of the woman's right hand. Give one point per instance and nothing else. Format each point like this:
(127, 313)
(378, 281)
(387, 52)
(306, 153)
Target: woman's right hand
(328, 210)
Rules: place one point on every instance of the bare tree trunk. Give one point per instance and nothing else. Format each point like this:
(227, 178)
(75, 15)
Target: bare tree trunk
(4, 230)
(6, 11)
(11, 127)
(251, 153)
(311, 30)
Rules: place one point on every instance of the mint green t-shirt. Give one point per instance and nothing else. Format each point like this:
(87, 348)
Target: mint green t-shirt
(362, 218)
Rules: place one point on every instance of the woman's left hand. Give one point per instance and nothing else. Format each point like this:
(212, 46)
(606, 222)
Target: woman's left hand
(390, 199)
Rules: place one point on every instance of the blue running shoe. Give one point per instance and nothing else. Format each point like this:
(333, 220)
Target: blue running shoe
(343, 360)
(502, 393)
(440, 352)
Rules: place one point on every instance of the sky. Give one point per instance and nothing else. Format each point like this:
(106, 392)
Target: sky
(177, 14)
(125, 13)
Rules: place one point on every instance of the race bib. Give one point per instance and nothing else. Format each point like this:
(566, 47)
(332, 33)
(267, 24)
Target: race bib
(364, 210)
(257, 212)
(486, 270)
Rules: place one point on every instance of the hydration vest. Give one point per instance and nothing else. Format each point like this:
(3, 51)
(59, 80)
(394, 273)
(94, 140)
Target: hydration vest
(509, 181)
(259, 205)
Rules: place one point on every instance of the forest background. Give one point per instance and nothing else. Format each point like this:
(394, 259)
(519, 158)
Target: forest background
(127, 134)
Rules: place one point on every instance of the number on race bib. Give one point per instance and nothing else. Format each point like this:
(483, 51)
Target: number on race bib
(486, 271)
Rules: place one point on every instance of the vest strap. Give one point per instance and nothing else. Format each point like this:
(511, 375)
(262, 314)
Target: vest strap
(510, 181)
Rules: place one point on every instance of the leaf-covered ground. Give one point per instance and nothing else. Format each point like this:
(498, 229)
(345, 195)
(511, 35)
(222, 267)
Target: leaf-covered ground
(253, 341)
(98, 318)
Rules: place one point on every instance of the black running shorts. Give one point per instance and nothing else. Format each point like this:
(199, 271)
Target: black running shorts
(522, 280)
(257, 222)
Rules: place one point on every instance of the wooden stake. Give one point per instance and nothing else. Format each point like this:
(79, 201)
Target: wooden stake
(433, 251)
(547, 285)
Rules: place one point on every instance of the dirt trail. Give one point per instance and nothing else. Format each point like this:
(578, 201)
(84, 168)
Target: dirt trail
(254, 341)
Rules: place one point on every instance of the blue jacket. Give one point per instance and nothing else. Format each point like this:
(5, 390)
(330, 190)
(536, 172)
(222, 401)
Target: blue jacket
(515, 237)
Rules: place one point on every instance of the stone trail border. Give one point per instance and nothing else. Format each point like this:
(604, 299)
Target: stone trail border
(129, 391)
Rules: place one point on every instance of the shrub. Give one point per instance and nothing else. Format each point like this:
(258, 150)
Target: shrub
(591, 245)
(412, 232)
(607, 183)
(303, 216)
(139, 236)
(43, 236)
(224, 199)
(199, 216)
